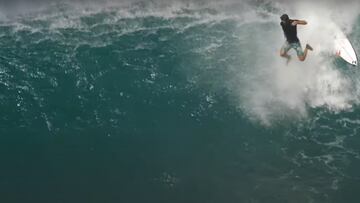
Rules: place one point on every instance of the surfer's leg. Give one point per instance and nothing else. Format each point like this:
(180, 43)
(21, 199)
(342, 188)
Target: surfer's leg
(284, 54)
(300, 53)
(283, 51)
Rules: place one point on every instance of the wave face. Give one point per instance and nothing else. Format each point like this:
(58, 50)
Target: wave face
(176, 102)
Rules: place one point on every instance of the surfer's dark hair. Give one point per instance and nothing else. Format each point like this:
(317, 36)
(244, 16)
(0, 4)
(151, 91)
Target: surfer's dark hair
(284, 17)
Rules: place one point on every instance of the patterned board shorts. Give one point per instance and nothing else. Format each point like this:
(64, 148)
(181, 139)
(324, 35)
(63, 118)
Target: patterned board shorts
(296, 45)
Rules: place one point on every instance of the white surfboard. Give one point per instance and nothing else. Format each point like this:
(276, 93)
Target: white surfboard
(344, 49)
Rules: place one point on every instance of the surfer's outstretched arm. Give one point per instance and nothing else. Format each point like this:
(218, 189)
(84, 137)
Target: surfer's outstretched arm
(299, 22)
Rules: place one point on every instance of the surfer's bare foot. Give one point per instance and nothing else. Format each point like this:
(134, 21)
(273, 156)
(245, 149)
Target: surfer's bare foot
(309, 47)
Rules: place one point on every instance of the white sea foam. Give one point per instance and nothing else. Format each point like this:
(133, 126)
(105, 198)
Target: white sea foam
(281, 91)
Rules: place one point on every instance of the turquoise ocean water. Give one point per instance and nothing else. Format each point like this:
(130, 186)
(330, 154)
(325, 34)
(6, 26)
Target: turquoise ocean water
(183, 102)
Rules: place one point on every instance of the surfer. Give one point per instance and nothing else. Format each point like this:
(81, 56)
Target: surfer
(292, 41)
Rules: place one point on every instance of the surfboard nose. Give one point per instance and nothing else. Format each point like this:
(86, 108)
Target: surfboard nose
(344, 49)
